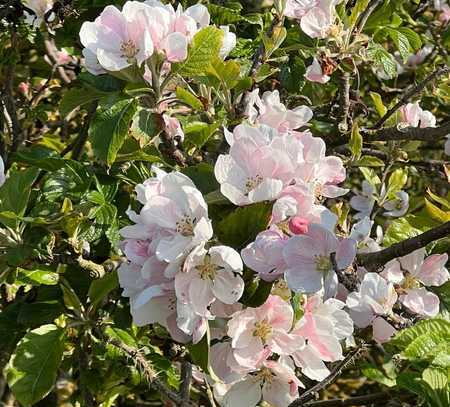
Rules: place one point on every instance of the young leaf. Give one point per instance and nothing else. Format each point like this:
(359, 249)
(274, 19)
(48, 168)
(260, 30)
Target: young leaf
(378, 102)
(109, 129)
(33, 367)
(36, 277)
(204, 48)
(356, 142)
(383, 59)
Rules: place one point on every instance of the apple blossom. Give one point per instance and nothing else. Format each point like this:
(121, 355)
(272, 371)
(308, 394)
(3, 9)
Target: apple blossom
(275, 383)
(229, 41)
(314, 73)
(2, 172)
(447, 146)
(375, 297)
(309, 259)
(265, 254)
(397, 207)
(413, 115)
(364, 202)
(257, 332)
(270, 111)
(210, 274)
(316, 16)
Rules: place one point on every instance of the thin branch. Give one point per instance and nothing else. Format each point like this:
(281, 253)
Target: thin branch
(365, 16)
(394, 134)
(352, 401)
(150, 374)
(186, 377)
(344, 99)
(84, 132)
(412, 92)
(374, 261)
(311, 393)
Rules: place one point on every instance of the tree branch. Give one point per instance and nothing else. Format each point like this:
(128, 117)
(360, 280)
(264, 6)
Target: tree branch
(374, 261)
(344, 99)
(186, 377)
(393, 134)
(367, 12)
(84, 132)
(410, 93)
(351, 401)
(311, 393)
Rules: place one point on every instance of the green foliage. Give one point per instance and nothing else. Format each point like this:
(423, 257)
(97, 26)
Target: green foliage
(34, 365)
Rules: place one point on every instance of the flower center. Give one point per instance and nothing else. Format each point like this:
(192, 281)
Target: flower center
(262, 330)
(323, 263)
(264, 374)
(129, 49)
(185, 226)
(253, 182)
(410, 282)
(207, 270)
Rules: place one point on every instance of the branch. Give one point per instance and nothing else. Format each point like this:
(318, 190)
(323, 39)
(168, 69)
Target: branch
(186, 377)
(411, 92)
(374, 261)
(344, 99)
(365, 16)
(84, 132)
(310, 394)
(351, 401)
(147, 369)
(393, 134)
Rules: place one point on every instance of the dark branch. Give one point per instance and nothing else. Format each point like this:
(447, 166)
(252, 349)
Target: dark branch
(411, 92)
(367, 12)
(311, 393)
(374, 261)
(84, 132)
(186, 377)
(344, 99)
(352, 401)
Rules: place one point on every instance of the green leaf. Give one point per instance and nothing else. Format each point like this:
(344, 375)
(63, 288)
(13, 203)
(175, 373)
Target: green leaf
(33, 367)
(202, 175)
(439, 391)
(397, 181)
(399, 230)
(413, 38)
(76, 97)
(101, 287)
(427, 346)
(383, 59)
(145, 126)
(204, 48)
(272, 43)
(241, 226)
(371, 177)
(406, 336)
(15, 193)
(223, 15)
(259, 294)
(401, 42)
(373, 373)
(189, 98)
(356, 142)
(357, 9)
(198, 133)
(378, 102)
(38, 313)
(109, 129)
(369, 161)
(227, 72)
(37, 277)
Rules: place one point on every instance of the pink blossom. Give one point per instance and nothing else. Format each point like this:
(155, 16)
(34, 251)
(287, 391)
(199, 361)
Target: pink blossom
(382, 330)
(257, 167)
(265, 254)
(375, 297)
(275, 382)
(308, 257)
(445, 14)
(316, 16)
(320, 330)
(119, 38)
(2, 172)
(210, 274)
(62, 57)
(256, 332)
(229, 41)
(397, 207)
(364, 202)
(24, 88)
(413, 115)
(314, 73)
(421, 301)
(173, 128)
(270, 111)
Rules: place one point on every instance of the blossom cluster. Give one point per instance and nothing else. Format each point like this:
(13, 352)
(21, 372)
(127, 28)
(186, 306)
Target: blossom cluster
(141, 31)
(181, 278)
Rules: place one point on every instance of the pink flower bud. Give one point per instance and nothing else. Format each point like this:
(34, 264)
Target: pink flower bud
(24, 88)
(298, 225)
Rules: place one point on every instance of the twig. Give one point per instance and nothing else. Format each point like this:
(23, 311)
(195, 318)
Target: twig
(374, 261)
(186, 377)
(344, 99)
(8, 99)
(84, 132)
(335, 373)
(147, 369)
(352, 401)
(410, 93)
(365, 16)
(394, 134)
